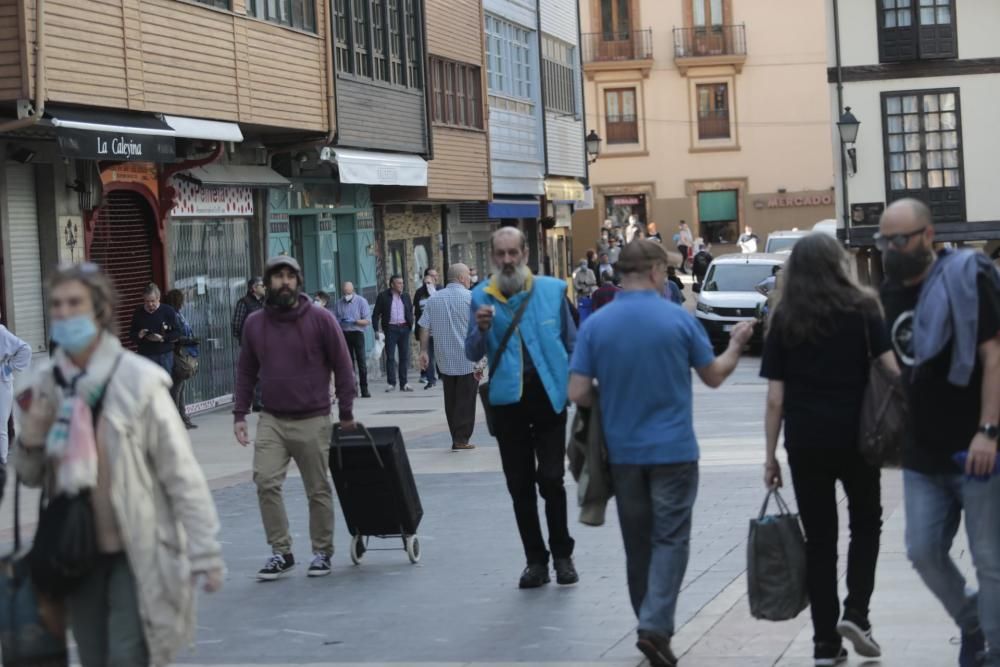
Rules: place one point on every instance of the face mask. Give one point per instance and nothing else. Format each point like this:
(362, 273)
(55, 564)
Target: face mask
(74, 334)
(903, 266)
(348, 298)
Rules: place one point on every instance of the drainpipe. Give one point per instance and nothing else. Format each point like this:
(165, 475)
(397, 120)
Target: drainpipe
(331, 88)
(543, 251)
(38, 110)
(583, 101)
(840, 109)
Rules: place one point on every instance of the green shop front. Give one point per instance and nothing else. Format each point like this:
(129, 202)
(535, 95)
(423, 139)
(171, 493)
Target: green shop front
(329, 228)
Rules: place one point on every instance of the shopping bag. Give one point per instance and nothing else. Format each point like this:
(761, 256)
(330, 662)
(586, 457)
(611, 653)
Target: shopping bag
(776, 564)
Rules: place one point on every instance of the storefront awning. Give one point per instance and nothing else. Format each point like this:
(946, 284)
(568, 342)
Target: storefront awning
(563, 190)
(91, 120)
(499, 209)
(371, 168)
(197, 128)
(245, 175)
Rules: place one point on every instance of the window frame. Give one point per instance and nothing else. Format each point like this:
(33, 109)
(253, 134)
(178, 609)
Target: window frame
(217, 4)
(626, 138)
(917, 40)
(937, 198)
(456, 99)
(399, 30)
(714, 86)
(509, 57)
(295, 14)
(559, 76)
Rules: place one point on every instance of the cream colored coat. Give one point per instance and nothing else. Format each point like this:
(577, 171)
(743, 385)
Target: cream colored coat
(161, 500)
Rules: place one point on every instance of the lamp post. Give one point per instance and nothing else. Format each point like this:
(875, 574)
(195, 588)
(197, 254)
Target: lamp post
(593, 142)
(847, 127)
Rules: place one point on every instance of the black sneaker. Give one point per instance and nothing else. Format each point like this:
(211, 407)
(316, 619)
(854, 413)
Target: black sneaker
(856, 629)
(827, 654)
(320, 566)
(365, 394)
(565, 571)
(973, 647)
(277, 566)
(534, 576)
(656, 648)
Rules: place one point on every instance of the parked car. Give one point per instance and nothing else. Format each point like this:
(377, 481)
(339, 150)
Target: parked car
(783, 241)
(730, 295)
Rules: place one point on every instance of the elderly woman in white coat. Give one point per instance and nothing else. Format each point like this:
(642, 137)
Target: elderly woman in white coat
(155, 519)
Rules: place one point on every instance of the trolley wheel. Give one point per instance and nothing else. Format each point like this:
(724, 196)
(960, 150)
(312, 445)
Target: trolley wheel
(412, 543)
(357, 549)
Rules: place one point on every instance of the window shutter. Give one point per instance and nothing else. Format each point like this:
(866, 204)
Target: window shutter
(938, 41)
(897, 30)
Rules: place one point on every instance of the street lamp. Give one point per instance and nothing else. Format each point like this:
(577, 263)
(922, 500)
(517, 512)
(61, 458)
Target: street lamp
(593, 142)
(848, 127)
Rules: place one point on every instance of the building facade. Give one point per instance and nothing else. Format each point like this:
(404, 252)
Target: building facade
(711, 111)
(147, 137)
(922, 79)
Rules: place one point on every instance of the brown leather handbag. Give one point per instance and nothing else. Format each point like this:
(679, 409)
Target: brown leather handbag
(885, 414)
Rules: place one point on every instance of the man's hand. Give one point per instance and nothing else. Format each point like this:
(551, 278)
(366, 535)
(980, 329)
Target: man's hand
(982, 456)
(425, 361)
(143, 332)
(212, 580)
(772, 475)
(156, 338)
(242, 433)
(348, 425)
(741, 334)
(484, 318)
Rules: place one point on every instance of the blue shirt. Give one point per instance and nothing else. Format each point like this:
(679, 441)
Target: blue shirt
(349, 312)
(645, 393)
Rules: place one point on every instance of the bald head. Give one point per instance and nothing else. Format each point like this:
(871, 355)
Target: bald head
(509, 235)
(905, 216)
(348, 288)
(459, 273)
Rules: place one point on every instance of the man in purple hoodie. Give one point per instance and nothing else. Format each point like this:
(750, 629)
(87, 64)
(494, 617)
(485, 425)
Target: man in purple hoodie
(291, 347)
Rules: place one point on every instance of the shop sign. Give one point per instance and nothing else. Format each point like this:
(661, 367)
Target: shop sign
(796, 201)
(866, 214)
(625, 201)
(114, 146)
(141, 173)
(195, 200)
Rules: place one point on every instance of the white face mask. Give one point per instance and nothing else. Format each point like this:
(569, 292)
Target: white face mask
(348, 298)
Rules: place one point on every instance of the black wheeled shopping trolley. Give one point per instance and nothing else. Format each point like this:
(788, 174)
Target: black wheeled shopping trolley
(375, 485)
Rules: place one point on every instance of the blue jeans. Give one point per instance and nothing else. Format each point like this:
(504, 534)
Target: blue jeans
(397, 339)
(654, 510)
(164, 361)
(934, 505)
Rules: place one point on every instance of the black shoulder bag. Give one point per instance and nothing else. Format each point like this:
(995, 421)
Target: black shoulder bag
(484, 389)
(65, 549)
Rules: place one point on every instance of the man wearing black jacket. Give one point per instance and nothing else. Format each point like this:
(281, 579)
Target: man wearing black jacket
(426, 291)
(155, 329)
(393, 315)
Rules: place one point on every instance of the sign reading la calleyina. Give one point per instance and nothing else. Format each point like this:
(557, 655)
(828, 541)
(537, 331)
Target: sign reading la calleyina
(115, 146)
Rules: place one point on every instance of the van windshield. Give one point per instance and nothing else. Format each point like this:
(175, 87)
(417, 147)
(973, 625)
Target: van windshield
(779, 243)
(736, 277)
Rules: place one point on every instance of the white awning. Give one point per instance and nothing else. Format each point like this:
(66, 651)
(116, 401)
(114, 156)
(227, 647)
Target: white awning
(237, 174)
(196, 128)
(371, 168)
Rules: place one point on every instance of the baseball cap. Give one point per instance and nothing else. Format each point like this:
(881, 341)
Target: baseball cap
(280, 261)
(641, 256)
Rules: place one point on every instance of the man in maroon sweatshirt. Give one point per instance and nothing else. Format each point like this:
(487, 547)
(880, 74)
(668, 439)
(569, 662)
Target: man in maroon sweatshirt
(290, 347)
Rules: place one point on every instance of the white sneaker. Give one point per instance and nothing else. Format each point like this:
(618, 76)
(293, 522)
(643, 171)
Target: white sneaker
(864, 644)
(320, 566)
(391, 388)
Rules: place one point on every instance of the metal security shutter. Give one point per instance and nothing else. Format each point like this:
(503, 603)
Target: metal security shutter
(474, 214)
(123, 246)
(28, 316)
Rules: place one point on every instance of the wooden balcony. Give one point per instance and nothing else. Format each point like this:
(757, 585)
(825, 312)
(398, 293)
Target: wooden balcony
(708, 46)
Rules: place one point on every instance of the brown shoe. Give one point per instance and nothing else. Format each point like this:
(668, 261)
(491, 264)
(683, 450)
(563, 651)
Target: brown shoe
(458, 448)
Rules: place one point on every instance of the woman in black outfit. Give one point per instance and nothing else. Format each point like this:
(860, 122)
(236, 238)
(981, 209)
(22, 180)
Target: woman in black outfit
(816, 358)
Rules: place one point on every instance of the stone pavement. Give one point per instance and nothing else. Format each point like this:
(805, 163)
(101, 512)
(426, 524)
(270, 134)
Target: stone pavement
(460, 606)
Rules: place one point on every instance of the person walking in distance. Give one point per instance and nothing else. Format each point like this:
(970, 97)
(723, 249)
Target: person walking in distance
(15, 357)
(354, 315)
(394, 316)
(943, 315)
(155, 523)
(175, 299)
(748, 241)
(428, 376)
(291, 347)
(528, 378)
(607, 292)
(251, 302)
(816, 361)
(685, 241)
(649, 429)
(584, 280)
(444, 324)
(155, 329)
(603, 267)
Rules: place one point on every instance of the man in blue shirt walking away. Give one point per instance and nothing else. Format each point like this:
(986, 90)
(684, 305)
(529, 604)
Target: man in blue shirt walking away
(649, 429)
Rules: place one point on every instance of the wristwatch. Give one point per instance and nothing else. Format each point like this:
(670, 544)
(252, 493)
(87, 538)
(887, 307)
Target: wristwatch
(990, 431)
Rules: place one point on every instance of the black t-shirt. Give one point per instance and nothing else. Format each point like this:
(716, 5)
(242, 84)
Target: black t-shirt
(824, 380)
(944, 417)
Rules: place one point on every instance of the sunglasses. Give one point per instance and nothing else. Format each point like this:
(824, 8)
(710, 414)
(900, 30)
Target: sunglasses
(896, 241)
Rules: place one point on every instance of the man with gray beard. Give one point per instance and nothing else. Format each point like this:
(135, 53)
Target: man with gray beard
(527, 393)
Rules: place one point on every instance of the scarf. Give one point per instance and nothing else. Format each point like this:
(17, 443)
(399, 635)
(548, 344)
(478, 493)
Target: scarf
(72, 441)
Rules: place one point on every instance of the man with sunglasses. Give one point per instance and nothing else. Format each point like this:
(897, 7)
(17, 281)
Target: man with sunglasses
(943, 313)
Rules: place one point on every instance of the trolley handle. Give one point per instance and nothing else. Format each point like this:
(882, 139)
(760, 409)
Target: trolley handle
(359, 433)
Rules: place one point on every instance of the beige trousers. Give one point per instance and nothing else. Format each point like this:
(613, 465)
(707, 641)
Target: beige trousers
(307, 441)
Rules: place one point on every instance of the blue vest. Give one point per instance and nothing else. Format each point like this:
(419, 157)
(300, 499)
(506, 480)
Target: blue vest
(540, 330)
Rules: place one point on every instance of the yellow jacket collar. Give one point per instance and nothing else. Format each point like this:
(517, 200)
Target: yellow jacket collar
(493, 290)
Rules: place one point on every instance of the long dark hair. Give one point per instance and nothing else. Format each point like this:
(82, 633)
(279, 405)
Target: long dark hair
(818, 291)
